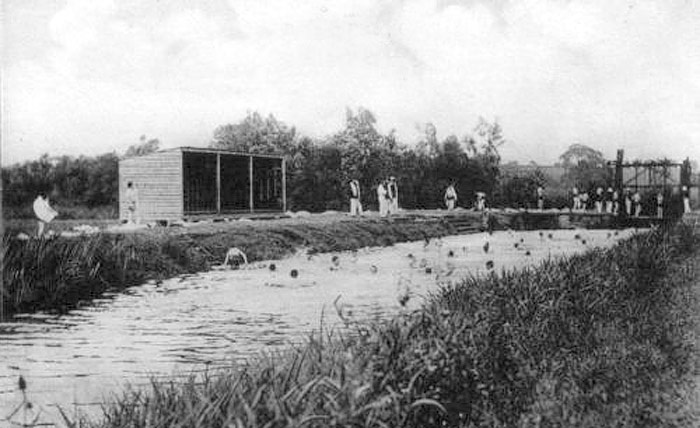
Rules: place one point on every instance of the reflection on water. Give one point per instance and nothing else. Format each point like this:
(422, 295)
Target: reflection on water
(186, 324)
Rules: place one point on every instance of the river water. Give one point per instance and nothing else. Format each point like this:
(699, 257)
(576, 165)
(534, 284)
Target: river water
(187, 324)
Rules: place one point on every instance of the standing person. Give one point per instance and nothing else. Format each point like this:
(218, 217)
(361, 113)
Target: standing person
(659, 205)
(44, 213)
(393, 190)
(540, 198)
(637, 201)
(616, 202)
(609, 201)
(583, 201)
(132, 201)
(599, 200)
(450, 197)
(686, 199)
(628, 202)
(577, 200)
(355, 204)
(480, 201)
(383, 199)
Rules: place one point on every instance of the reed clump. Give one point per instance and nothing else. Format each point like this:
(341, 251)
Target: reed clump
(594, 340)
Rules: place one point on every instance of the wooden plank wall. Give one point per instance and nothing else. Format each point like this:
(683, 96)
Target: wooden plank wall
(158, 178)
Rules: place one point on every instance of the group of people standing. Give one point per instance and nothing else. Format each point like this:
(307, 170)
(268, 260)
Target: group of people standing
(388, 197)
(609, 201)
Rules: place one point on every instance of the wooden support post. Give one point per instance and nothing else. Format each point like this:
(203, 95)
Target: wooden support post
(284, 186)
(218, 183)
(618, 171)
(250, 182)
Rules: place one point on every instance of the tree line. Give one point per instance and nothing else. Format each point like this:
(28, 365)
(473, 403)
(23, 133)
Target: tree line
(317, 169)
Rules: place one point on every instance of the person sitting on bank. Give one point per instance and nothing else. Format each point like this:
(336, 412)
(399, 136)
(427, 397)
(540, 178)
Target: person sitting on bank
(686, 199)
(132, 201)
(354, 193)
(450, 197)
(44, 213)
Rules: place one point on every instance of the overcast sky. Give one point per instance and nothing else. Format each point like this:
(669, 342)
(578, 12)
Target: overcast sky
(91, 76)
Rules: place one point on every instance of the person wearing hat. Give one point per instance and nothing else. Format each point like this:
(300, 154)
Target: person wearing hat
(450, 197)
(354, 193)
(393, 191)
(686, 199)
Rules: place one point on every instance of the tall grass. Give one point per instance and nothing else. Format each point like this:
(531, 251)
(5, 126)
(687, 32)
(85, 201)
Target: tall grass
(58, 273)
(595, 340)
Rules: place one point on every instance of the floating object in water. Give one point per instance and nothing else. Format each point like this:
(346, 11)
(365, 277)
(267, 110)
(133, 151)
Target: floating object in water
(577, 236)
(541, 234)
(550, 236)
(428, 270)
(404, 298)
(335, 260)
(426, 242)
(516, 245)
(522, 240)
(464, 249)
(527, 253)
(616, 233)
(373, 269)
(609, 235)
(486, 247)
(423, 263)
(583, 241)
(272, 267)
(489, 264)
(451, 253)
(294, 273)
(410, 255)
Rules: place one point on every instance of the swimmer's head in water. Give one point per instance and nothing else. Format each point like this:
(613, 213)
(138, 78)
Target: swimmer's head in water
(272, 267)
(294, 273)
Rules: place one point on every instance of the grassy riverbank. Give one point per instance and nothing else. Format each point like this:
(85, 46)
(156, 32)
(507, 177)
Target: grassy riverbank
(59, 273)
(594, 340)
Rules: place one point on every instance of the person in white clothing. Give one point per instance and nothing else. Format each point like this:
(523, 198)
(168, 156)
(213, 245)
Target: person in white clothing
(355, 204)
(383, 199)
(450, 197)
(44, 213)
(393, 191)
(637, 201)
(686, 199)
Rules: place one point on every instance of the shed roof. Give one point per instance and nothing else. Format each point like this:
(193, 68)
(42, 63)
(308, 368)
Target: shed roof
(190, 149)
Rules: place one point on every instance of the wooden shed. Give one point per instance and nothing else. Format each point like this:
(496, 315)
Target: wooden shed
(190, 182)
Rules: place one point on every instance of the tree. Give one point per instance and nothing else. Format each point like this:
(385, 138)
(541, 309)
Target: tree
(143, 148)
(255, 134)
(585, 167)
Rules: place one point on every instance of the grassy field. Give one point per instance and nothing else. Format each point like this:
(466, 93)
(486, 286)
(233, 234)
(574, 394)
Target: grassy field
(595, 340)
(60, 273)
